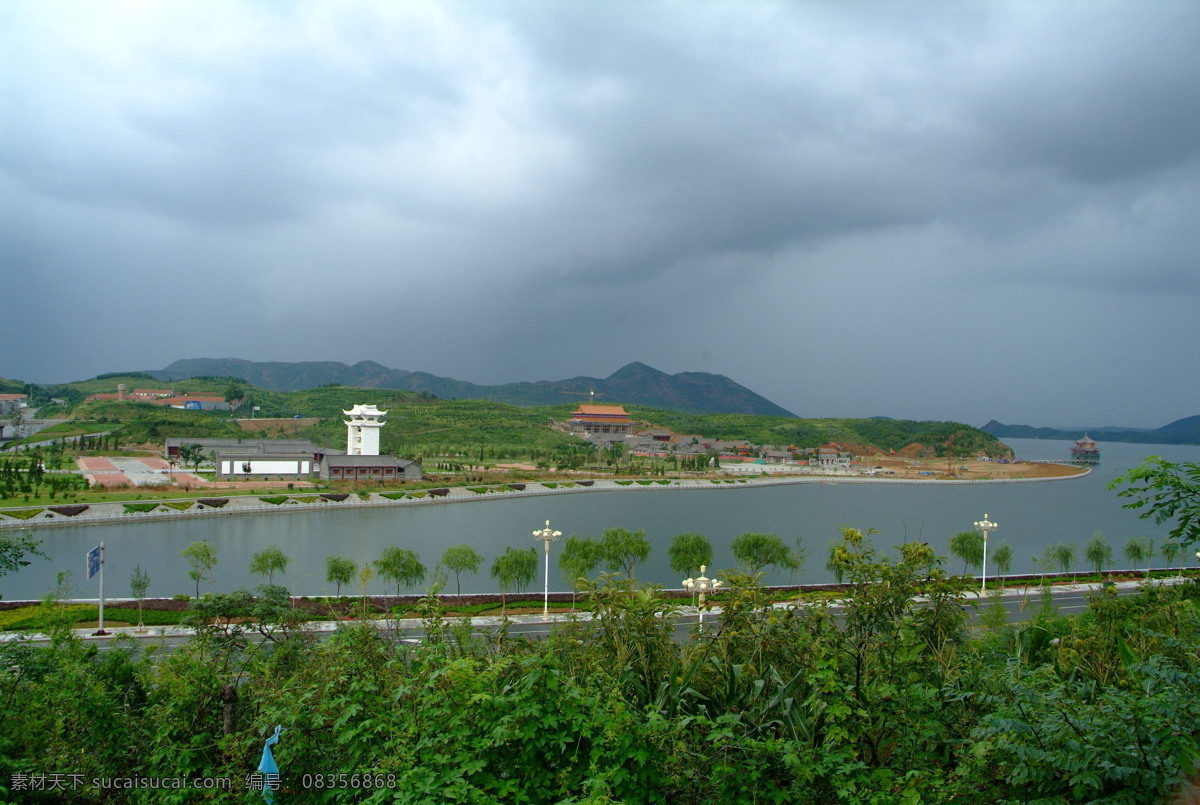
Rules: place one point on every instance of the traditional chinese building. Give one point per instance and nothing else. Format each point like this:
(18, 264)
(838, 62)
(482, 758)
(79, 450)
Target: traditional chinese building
(600, 419)
(1085, 451)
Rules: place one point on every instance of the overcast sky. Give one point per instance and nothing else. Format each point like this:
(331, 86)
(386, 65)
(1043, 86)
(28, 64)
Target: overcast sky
(925, 210)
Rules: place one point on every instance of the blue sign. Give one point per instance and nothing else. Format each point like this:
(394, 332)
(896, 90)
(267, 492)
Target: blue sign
(93, 561)
(193, 405)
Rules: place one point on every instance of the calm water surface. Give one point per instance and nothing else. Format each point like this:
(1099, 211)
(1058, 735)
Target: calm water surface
(1030, 516)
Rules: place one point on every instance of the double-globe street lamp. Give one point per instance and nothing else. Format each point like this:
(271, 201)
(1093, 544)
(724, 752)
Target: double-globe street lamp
(701, 585)
(547, 535)
(985, 525)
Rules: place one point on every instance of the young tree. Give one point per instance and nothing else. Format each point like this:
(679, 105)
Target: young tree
(968, 546)
(201, 557)
(513, 570)
(364, 582)
(401, 566)
(756, 551)
(268, 562)
(1002, 558)
(139, 583)
(624, 549)
(797, 556)
(1098, 551)
(688, 552)
(1138, 549)
(1171, 551)
(1167, 491)
(833, 562)
(339, 570)
(1062, 555)
(579, 557)
(461, 559)
(192, 454)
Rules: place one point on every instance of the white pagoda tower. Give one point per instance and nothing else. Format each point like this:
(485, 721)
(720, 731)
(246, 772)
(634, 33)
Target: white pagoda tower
(362, 430)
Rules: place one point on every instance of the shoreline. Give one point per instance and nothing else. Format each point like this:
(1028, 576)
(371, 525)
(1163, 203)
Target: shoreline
(108, 512)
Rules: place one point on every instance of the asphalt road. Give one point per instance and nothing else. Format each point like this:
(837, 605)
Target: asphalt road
(1019, 605)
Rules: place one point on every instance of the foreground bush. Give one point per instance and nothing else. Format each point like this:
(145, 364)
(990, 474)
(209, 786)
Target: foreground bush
(895, 700)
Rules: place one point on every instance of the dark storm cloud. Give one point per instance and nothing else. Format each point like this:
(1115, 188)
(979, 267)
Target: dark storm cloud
(790, 194)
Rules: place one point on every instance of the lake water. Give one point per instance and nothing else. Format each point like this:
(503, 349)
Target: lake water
(1030, 517)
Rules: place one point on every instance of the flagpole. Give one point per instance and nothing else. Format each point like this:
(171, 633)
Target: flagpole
(101, 629)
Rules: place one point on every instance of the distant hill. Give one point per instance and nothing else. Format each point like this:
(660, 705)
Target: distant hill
(1181, 431)
(633, 384)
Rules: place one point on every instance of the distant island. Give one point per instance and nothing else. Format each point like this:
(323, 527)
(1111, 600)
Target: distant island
(1181, 431)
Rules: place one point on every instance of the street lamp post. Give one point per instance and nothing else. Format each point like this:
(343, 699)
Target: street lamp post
(985, 525)
(701, 586)
(547, 535)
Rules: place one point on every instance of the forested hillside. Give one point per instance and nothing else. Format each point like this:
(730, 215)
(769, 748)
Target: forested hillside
(944, 438)
(634, 383)
(422, 423)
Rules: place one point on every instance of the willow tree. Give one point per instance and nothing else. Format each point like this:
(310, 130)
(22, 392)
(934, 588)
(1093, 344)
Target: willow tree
(268, 562)
(513, 570)
(578, 558)
(968, 546)
(689, 551)
(461, 559)
(1098, 551)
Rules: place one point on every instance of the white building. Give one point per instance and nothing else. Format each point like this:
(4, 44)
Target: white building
(362, 430)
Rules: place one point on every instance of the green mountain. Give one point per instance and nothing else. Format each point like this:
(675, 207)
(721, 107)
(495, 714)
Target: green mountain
(633, 384)
(1181, 431)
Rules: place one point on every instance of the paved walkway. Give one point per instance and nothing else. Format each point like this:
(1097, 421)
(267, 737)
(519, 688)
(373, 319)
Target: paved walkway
(1030, 592)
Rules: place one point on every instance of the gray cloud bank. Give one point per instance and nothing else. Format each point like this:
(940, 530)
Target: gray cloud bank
(914, 209)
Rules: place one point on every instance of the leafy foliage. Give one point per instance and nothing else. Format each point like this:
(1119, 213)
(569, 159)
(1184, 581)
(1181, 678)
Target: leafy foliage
(461, 559)
(1165, 491)
(894, 702)
(514, 569)
(13, 550)
(400, 566)
(339, 570)
(688, 552)
(1098, 551)
(578, 558)
(757, 551)
(268, 562)
(968, 546)
(201, 557)
(624, 549)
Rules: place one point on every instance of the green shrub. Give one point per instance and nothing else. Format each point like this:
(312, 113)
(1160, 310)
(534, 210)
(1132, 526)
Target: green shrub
(179, 505)
(140, 508)
(24, 514)
(275, 500)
